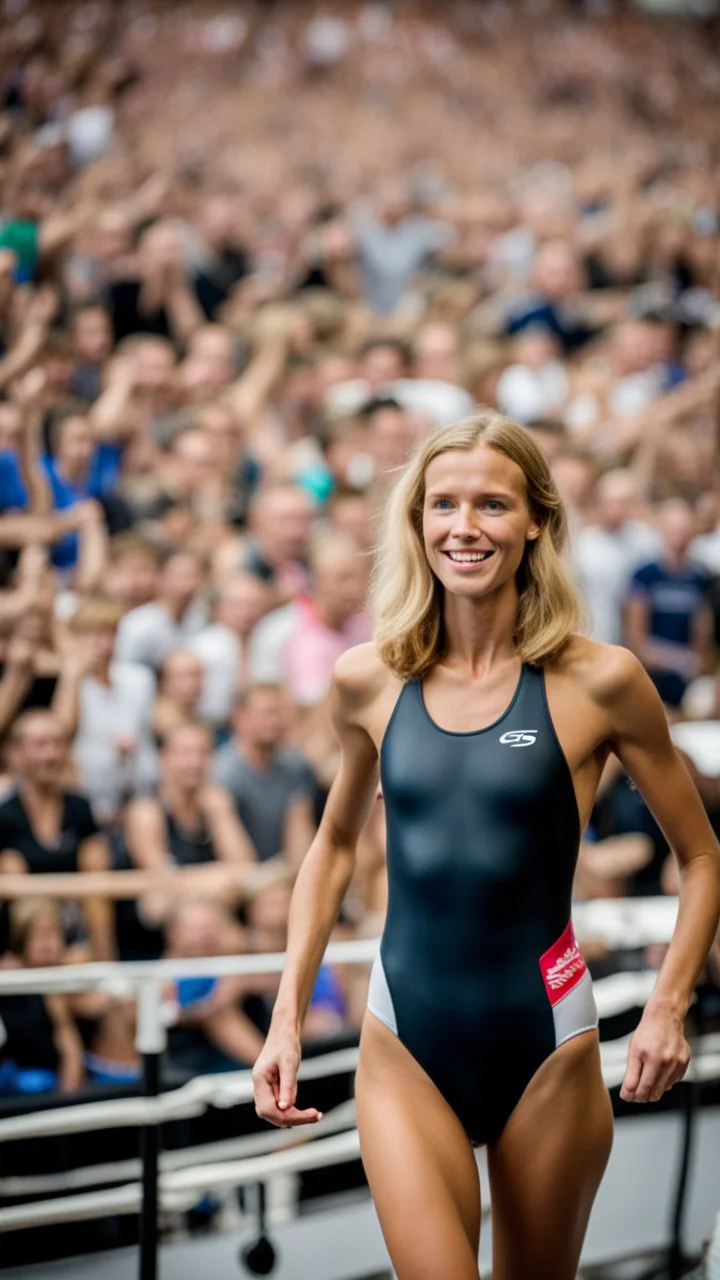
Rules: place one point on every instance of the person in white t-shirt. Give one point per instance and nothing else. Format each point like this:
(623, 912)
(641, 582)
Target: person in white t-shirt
(607, 551)
(148, 633)
(223, 645)
(113, 749)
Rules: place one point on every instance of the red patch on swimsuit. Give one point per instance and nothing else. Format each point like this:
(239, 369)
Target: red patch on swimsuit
(562, 965)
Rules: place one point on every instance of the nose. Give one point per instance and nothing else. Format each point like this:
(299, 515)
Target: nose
(466, 523)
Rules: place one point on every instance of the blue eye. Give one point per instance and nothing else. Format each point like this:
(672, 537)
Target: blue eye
(492, 504)
(440, 501)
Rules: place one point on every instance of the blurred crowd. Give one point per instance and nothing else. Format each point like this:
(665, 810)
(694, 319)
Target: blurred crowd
(248, 256)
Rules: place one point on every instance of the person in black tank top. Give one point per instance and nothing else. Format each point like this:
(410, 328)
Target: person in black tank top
(47, 829)
(191, 820)
(490, 722)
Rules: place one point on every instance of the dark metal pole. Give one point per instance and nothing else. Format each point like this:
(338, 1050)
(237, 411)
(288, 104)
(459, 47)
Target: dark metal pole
(150, 1043)
(149, 1153)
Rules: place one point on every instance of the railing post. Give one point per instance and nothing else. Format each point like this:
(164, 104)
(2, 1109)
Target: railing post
(150, 1042)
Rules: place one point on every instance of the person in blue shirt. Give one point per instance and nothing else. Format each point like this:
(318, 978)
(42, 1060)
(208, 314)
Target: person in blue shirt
(668, 622)
(78, 469)
(13, 494)
(555, 299)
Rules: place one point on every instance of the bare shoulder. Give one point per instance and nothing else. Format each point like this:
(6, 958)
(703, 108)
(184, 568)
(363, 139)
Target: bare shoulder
(360, 676)
(364, 691)
(607, 673)
(142, 809)
(215, 799)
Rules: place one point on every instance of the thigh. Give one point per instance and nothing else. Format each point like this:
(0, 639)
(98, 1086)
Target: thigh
(419, 1163)
(547, 1165)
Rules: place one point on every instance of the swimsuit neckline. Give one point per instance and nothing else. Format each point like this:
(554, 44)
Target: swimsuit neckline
(472, 733)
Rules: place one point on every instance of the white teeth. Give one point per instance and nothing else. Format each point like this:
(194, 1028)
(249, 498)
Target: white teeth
(469, 557)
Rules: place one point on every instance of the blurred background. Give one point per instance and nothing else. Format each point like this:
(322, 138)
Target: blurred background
(249, 254)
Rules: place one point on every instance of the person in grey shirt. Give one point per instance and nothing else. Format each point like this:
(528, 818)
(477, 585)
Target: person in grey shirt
(272, 784)
(392, 244)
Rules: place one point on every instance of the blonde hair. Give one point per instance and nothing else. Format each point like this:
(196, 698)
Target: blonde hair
(97, 613)
(25, 914)
(406, 597)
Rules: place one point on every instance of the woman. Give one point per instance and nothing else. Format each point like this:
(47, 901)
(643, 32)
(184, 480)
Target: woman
(180, 687)
(492, 721)
(43, 1049)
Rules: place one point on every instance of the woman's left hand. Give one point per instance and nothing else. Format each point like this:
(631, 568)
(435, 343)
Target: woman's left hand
(659, 1056)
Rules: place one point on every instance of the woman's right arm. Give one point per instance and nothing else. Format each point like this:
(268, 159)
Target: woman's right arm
(319, 890)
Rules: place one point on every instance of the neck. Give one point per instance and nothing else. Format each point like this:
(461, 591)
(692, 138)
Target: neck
(325, 613)
(175, 609)
(38, 793)
(257, 756)
(179, 798)
(479, 633)
(73, 474)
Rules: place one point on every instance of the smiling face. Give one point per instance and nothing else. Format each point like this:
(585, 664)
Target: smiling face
(476, 520)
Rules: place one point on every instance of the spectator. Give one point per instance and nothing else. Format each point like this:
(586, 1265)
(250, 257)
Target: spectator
(555, 301)
(180, 684)
(107, 705)
(218, 260)
(536, 385)
(159, 300)
(266, 911)
(608, 549)
(42, 1050)
(78, 469)
(298, 644)
(393, 243)
(223, 647)
(92, 333)
(132, 571)
(280, 521)
(668, 622)
(191, 820)
(272, 785)
(45, 828)
(147, 633)
(210, 1031)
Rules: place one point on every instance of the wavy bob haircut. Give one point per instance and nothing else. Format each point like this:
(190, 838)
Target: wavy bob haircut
(406, 596)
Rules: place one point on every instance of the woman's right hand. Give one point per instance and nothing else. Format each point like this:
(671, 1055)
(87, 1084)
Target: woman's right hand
(275, 1082)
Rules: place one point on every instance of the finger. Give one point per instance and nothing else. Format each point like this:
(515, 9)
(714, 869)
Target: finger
(638, 1083)
(293, 1116)
(264, 1091)
(290, 1118)
(662, 1082)
(633, 1073)
(287, 1091)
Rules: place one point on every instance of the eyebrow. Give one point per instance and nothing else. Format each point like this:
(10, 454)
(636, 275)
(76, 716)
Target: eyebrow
(480, 493)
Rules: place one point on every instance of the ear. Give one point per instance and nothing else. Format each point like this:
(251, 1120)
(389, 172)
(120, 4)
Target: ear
(534, 531)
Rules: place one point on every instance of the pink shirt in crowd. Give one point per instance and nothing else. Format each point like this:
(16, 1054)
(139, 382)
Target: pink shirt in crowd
(311, 651)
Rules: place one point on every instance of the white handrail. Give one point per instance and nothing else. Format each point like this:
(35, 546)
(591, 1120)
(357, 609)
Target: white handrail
(619, 922)
(230, 1089)
(180, 1188)
(613, 994)
(178, 1193)
(250, 1144)
(131, 973)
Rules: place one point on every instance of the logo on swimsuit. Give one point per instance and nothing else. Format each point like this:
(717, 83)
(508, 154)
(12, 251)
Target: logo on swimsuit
(519, 737)
(562, 965)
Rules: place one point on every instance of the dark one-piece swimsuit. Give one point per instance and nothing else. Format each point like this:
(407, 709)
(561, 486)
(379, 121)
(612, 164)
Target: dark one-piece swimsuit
(478, 973)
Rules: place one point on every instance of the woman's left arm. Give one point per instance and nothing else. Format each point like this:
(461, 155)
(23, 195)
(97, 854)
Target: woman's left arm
(659, 1053)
